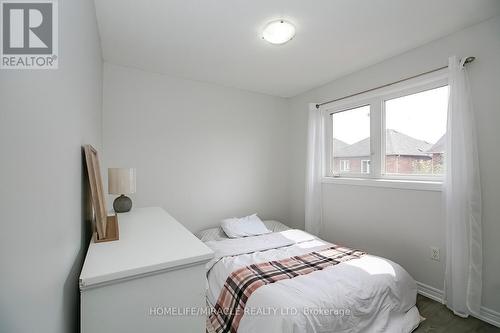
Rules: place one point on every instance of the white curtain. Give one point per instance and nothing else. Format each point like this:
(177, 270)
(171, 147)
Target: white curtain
(314, 172)
(463, 276)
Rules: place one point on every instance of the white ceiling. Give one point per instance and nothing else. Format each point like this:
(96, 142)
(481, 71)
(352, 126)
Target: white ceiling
(219, 40)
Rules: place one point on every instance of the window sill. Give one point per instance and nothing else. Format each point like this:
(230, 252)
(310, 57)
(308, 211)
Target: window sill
(418, 185)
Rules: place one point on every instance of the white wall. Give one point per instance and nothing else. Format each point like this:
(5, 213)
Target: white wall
(403, 224)
(45, 117)
(203, 152)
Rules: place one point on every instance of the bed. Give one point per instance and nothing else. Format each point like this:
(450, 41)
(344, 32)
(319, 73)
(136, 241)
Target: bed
(354, 292)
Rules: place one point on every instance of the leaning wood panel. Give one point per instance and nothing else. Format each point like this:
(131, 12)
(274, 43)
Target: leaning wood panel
(96, 189)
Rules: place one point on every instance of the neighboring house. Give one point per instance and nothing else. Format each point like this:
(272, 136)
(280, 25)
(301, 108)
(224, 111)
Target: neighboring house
(353, 158)
(404, 154)
(437, 151)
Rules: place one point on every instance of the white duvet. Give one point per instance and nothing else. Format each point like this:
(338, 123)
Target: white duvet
(370, 294)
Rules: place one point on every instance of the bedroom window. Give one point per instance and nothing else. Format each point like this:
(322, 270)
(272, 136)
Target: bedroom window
(396, 134)
(415, 127)
(350, 140)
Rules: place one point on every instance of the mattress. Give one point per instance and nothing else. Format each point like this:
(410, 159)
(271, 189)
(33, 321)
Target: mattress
(369, 294)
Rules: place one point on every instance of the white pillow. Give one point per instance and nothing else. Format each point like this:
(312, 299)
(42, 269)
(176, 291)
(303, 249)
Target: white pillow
(250, 225)
(217, 234)
(212, 234)
(275, 226)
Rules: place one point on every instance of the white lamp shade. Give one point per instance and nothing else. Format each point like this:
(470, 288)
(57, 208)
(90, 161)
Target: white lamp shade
(121, 180)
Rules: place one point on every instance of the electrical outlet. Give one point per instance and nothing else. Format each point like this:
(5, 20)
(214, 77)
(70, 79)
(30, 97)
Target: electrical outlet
(435, 253)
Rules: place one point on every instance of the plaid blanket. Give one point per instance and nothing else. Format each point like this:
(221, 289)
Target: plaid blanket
(240, 285)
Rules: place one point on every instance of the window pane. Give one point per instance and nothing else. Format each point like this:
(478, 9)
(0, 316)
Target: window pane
(351, 141)
(415, 129)
(365, 166)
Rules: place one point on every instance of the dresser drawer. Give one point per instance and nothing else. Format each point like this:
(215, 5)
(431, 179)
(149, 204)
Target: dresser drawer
(151, 280)
(163, 302)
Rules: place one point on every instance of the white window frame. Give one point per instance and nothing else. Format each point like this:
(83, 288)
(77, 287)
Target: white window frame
(328, 134)
(345, 163)
(376, 100)
(368, 168)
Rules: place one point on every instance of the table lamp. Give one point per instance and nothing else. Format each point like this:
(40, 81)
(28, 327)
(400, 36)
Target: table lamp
(121, 181)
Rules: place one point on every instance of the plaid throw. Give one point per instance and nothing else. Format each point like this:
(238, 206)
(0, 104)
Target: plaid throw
(244, 281)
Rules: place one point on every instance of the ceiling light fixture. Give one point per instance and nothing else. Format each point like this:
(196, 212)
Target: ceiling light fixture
(278, 32)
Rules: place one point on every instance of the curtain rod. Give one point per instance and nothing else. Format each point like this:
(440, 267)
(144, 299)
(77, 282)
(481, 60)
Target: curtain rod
(467, 61)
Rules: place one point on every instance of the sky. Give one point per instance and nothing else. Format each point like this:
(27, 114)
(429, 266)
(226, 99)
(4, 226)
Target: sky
(422, 116)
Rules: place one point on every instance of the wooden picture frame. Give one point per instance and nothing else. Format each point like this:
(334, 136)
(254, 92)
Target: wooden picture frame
(106, 227)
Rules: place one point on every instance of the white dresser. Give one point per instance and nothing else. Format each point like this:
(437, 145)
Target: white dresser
(151, 280)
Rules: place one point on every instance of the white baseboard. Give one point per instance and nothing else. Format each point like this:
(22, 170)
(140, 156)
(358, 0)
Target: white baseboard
(430, 292)
(490, 316)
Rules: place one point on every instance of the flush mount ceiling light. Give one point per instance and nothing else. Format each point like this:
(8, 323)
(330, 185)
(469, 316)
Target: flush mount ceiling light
(278, 32)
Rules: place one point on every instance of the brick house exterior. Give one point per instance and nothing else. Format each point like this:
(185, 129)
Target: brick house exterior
(437, 151)
(404, 155)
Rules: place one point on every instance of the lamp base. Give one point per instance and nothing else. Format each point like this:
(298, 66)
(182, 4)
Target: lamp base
(122, 204)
